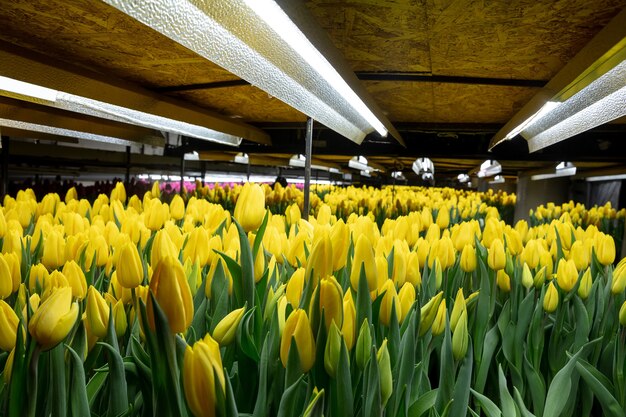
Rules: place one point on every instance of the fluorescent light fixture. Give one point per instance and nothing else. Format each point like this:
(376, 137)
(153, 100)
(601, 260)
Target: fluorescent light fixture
(463, 178)
(498, 179)
(617, 177)
(50, 130)
(257, 41)
(563, 169)
(489, 168)
(41, 95)
(366, 174)
(398, 175)
(334, 170)
(241, 158)
(143, 176)
(155, 177)
(298, 161)
(359, 163)
(175, 178)
(545, 109)
(422, 165)
(192, 156)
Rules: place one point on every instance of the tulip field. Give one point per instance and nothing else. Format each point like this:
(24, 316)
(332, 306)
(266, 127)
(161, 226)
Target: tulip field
(225, 301)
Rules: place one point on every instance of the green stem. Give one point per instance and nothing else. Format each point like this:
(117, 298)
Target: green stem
(32, 381)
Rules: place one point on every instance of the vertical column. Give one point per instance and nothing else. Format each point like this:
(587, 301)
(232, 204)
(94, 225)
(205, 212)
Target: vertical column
(182, 173)
(531, 194)
(5, 166)
(127, 178)
(308, 150)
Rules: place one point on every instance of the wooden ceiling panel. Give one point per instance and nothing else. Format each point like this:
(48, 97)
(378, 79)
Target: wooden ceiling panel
(403, 101)
(377, 35)
(94, 35)
(521, 39)
(245, 102)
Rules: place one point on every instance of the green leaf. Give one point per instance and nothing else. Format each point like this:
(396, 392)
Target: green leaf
(288, 406)
(446, 372)
(423, 404)
(236, 273)
(17, 386)
(488, 406)
(57, 381)
(118, 392)
(536, 386)
(258, 238)
(341, 397)
(245, 336)
(372, 399)
(520, 404)
(462, 387)
(247, 267)
(79, 405)
(509, 409)
(363, 301)
(590, 375)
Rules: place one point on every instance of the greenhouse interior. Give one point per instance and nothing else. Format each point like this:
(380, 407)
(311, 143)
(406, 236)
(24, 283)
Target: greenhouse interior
(313, 208)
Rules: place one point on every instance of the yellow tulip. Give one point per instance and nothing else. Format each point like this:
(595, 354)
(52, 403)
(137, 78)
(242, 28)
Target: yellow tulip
(605, 249)
(439, 324)
(406, 295)
(8, 367)
(129, 267)
(295, 286)
(496, 257)
(330, 301)
(503, 280)
(390, 300)
(297, 327)
(320, 262)
(6, 281)
(340, 242)
(530, 254)
(348, 328)
(171, 291)
(619, 278)
(551, 299)
(363, 255)
(468, 259)
(201, 364)
(76, 278)
(460, 304)
(585, 284)
(119, 193)
(119, 319)
(71, 195)
(398, 275)
(423, 249)
(155, 214)
(413, 274)
(224, 332)
(566, 275)
(250, 207)
(97, 313)
(463, 235)
(53, 250)
(162, 247)
(177, 208)
(579, 253)
(54, 318)
(197, 247)
(8, 327)
(527, 276)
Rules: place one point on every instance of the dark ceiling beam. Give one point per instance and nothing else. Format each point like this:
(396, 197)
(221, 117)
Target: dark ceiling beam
(415, 77)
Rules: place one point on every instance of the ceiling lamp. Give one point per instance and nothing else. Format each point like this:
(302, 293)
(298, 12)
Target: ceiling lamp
(20, 90)
(366, 174)
(241, 158)
(489, 168)
(360, 163)
(616, 177)
(498, 179)
(563, 169)
(463, 178)
(297, 161)
(588, 92)
(260, 43)
(398, 175)
(423, 165)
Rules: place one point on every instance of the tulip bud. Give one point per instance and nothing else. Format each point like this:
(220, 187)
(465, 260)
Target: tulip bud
(605, 249)
(439, 324)
(297, 327)
(162, 247)
(619, 278)
(390, 300)
(566, 275)
(340, 242)
(468, 259)
(413, 275)
(540, 278)
(530, 254)
(579, 253)
(551, 299)
(622, 315)
(201, 364)
(320, 261)
(155, 214)
(585, 284)
(54, 318)
(13, 261)
(53, 250)
(496, 258)
(407, 298)
(459, 307)
(398, 275)
(460, 337)
(71, 195)
(384, 367)
(171, 291)
(119, 192)
(503, 280)
(438, 274)
(8, 327)
(349, 319)
(97, 313)
(443, 217)
(129, 266)
(177, 208)
(330, 301)
(363, 345)
(76, 278)
(224, 332)
(6, 282)
(218, 260)
(428, 313)
(527, 276)
(363, 255)
(119, 319)
(250, 207)
(197, 246)
(332, 350)
(8, 367)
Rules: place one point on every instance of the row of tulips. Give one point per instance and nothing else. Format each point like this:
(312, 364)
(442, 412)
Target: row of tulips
(138, 307)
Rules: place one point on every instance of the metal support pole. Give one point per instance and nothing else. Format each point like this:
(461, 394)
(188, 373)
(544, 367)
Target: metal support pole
(182, 173)
(5, 165)
(127, 178)
(248, 171)
(308, 151)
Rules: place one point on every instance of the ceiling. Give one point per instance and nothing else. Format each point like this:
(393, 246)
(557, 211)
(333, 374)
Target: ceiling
(448, 74)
